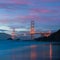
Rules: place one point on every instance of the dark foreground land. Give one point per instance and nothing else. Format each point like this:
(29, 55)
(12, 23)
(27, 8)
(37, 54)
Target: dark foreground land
(54, 37)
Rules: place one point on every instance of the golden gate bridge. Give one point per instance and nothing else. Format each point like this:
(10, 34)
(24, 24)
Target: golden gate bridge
(32, 32)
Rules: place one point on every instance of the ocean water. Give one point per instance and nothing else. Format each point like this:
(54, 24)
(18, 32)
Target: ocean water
(29, 50)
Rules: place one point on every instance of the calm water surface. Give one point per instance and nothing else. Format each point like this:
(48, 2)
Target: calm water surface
(29, 50)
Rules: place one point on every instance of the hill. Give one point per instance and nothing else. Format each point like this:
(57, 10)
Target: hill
(4, 36)
(54, 37)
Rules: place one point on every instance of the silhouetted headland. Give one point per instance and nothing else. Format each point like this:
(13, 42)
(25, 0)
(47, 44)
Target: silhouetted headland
(54, 37)
(4, 36)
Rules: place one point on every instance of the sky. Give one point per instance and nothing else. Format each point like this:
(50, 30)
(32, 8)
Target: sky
(19, 13)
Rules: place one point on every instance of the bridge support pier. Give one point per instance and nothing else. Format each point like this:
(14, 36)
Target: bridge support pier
(32, 36)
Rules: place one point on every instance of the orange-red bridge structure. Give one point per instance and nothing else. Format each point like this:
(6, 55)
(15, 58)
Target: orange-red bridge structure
(32, 32)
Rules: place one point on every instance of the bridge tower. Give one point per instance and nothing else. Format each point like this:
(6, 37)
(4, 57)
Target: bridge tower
(13, 34)
(32, 30)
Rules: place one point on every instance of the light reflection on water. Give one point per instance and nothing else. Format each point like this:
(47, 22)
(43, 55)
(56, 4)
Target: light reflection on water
(33, 52)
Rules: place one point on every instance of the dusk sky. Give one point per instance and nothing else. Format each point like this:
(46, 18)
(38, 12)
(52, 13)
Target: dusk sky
(19, 13)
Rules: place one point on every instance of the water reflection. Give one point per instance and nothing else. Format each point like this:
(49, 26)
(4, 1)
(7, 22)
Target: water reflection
(45, 52)
(50, 51)
(33, 52)
(41, 52)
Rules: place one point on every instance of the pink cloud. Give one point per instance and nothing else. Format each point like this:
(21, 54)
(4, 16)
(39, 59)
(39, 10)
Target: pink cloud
(43, 10)
(40, 10)
(50, 0)
(21, 2)
(26, 19)
(4, 21)
(23, 19)
(16, 1)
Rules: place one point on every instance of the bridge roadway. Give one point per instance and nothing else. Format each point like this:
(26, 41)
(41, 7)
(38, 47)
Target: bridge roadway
(46, 34)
